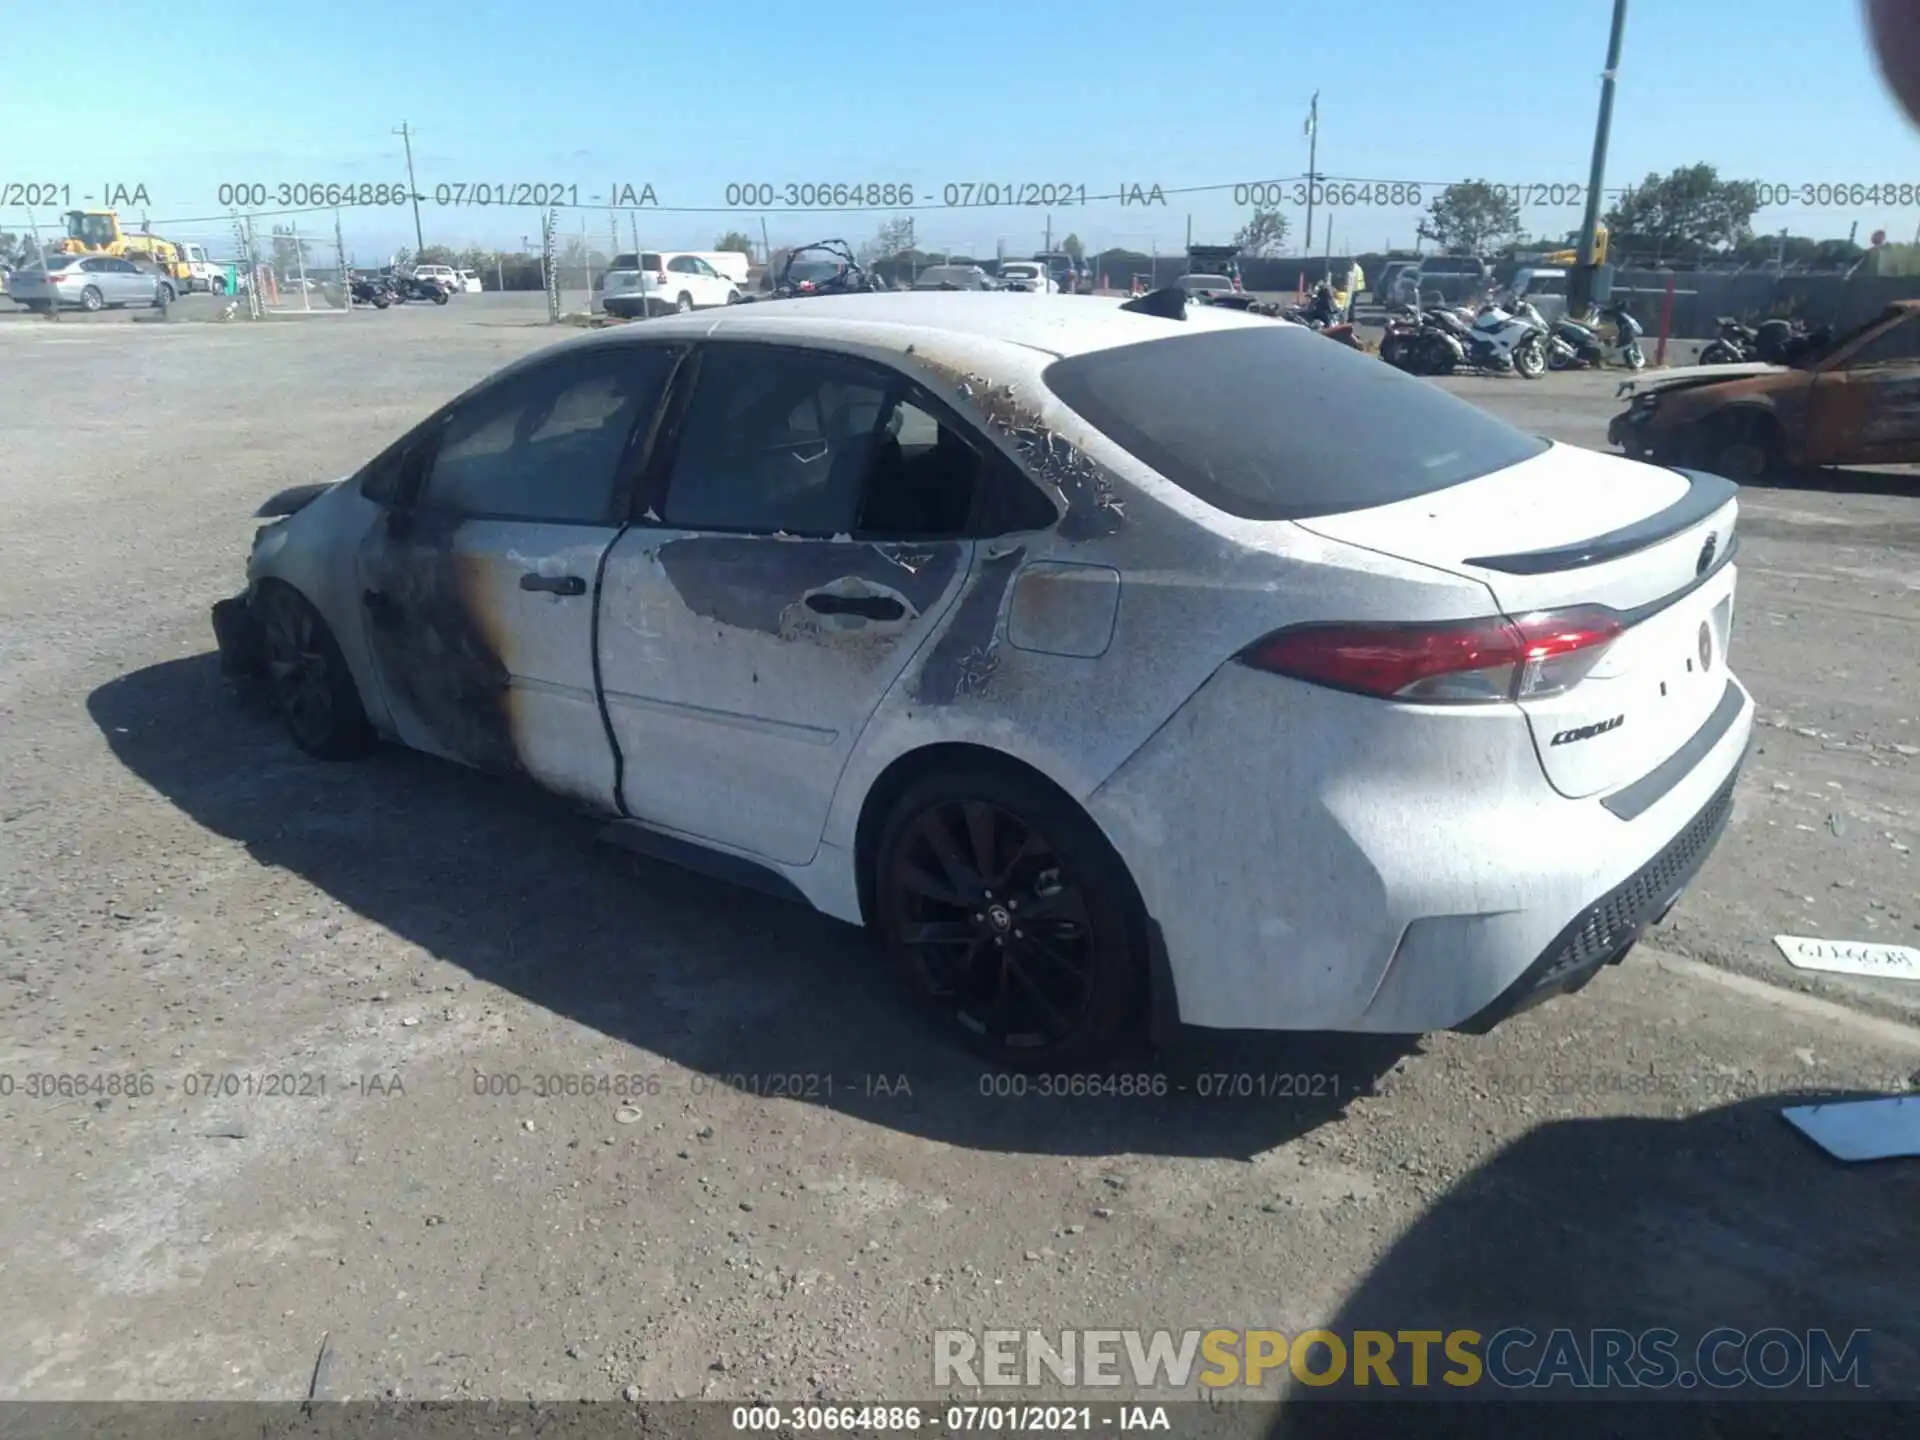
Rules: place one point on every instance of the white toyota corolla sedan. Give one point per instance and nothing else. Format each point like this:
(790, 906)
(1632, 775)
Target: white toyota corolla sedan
(1112, 667)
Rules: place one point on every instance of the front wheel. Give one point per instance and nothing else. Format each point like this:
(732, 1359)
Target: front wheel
(439, 297)
(1531, 358)
(1012, 918)
(311, 685)
(1719, 353)
(1635, 358)
(91, 300)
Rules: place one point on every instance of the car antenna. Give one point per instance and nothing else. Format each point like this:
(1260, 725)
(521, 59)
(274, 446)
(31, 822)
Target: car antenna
(1167, 303)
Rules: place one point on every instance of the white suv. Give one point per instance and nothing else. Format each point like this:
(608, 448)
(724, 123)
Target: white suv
(470, 282)
(655, 282)
(442, 273)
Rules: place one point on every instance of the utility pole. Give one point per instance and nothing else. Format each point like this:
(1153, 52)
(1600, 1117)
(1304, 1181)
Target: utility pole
(1580, 291)
(1313, 167)
(1049, 246)
(405, 133)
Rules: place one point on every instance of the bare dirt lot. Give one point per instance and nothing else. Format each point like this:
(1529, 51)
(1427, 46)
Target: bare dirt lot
(796, 1189)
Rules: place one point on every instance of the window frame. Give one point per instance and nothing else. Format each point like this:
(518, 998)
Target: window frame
(416, 451)
(1003, 494)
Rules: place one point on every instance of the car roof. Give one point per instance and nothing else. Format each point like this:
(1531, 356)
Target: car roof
(1057, 325)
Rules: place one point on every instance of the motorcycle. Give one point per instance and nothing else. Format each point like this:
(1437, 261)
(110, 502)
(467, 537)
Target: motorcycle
(1321, 316)
(1574, 346)
(368, 291)
(1441, 341)
(1427, 342)
(1735, 344)
(412, 287)
(1626, 334)
(1788, 342)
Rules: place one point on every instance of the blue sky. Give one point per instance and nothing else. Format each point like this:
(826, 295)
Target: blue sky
(688, 100)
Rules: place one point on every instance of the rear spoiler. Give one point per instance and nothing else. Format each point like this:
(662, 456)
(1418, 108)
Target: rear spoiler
(1705, 495)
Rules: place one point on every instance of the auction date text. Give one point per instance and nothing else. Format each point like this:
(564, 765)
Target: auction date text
(30, 194)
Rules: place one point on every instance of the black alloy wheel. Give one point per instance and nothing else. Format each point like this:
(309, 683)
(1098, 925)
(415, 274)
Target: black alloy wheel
(1012, 917)
(311, 686)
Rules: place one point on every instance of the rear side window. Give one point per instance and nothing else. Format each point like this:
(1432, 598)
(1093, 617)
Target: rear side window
(1271, 422)
(650, 262)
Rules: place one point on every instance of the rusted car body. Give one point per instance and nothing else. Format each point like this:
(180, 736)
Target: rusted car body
(1852, 401)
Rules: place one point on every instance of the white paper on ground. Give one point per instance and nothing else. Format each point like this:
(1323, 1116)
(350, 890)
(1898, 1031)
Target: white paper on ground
(1851, 957)
(1861, 1129)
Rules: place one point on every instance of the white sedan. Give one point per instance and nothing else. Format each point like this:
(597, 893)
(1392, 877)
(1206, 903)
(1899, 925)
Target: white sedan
(1055, 643)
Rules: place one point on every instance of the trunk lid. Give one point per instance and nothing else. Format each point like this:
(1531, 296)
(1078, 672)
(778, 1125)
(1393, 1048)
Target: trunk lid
(1575, 527)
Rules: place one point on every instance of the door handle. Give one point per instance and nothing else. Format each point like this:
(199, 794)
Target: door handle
(554, 584)
(872, 607)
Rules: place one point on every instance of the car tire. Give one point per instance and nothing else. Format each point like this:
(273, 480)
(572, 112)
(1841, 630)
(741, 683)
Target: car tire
(92, 301)
(733, 297)
(167, 295)
(1718, 353)
(1743, 449)
(1065, 987)
(684, 303)
(308, 678)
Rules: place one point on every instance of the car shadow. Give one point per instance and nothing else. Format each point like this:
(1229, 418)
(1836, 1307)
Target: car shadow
(1841, 480)
(1726, 1218)
(509, 884)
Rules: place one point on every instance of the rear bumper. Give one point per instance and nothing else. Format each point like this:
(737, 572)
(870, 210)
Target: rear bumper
(1606, 930)
(1390, 869)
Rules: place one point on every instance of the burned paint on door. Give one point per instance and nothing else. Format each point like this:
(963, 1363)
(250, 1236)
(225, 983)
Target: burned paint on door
(435, 645)
(966, 657)
(763, 584)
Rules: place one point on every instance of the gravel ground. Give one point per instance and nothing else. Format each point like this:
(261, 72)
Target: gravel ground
(183, 896)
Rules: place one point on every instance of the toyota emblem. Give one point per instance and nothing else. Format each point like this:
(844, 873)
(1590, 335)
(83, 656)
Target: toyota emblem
(1706, 555)
(1706, 646)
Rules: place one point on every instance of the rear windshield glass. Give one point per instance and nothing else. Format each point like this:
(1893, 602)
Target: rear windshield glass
(1272, 422)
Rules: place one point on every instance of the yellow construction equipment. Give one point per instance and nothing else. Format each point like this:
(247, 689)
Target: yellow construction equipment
(1567, 259)
(98, 232)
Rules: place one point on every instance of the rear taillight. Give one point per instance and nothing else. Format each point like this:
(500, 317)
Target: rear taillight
(1446, 663)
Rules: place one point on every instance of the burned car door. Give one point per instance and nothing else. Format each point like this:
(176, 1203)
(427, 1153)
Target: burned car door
(806, 534)
(478, 587)
(1865, 405)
